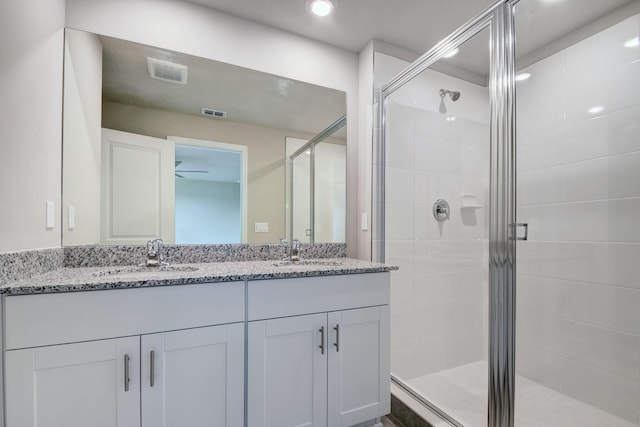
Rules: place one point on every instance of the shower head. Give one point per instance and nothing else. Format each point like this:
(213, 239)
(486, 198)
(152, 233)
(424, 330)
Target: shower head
(455, 95)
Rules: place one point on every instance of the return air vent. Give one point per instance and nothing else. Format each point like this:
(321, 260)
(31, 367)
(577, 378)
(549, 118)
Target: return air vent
(213, 113)
(167, 71)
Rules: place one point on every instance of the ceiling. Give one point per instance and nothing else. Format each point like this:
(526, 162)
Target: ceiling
(247, 96)
(417, 25)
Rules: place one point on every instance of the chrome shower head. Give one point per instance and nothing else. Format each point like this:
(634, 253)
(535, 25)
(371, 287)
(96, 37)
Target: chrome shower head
(455, 95)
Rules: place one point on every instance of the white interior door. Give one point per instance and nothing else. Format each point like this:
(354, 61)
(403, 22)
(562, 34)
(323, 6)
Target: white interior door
(287, 376)
(74, 385)
(194, 377)
(359, 370)
(137, 188)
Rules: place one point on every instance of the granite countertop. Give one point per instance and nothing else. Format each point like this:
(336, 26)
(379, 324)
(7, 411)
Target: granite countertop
(123, 277)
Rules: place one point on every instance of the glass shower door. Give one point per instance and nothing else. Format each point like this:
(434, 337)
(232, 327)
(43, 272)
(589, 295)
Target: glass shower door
(436, 200)
(578, 175)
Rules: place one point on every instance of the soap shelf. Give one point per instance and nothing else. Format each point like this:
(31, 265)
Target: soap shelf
(469, 201)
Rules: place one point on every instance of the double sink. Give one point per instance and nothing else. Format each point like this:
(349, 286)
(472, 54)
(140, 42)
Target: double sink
(126, 270)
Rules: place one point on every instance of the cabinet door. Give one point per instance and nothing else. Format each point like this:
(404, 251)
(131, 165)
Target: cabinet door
(287, 373)
(359, 371)
(194, 377)
(74, 385)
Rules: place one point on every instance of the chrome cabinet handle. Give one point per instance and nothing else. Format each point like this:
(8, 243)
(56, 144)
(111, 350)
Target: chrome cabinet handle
(337, 343)
(152, 368)
(126, 372)
(321, 339)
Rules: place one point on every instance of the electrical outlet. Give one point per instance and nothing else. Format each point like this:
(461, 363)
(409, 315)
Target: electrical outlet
(261, 227)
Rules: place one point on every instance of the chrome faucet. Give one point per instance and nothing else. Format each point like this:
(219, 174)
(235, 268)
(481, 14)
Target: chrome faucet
(292, 252)
(295, 250)
(154, 253)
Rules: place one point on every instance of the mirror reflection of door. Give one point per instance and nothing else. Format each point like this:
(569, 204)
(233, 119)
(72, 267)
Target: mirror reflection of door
(210, 192)
(137, 188)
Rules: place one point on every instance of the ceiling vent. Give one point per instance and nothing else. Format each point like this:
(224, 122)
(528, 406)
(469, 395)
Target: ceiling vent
(167, 71)
(213, 113)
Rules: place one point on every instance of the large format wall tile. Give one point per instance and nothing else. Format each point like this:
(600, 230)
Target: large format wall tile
(578, 283)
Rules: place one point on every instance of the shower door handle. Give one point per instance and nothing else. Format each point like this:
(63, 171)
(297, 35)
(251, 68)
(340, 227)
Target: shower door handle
(514, 231)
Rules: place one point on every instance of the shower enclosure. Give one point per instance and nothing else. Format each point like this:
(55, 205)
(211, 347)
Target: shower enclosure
(316, 186)
(507, 189)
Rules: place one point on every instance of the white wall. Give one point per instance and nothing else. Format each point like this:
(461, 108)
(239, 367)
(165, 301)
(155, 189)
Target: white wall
(439, 295)
(579, 190)
(31, 40)
(82, 137)
(197, 30)
(365, 150)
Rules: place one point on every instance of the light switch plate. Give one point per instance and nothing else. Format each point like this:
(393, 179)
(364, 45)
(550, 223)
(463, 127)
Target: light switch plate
(51, 212)
(261, 227)
(72, 217)
(364, 222)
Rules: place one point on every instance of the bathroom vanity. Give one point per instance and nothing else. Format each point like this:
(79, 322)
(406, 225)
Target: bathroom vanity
(229, 344)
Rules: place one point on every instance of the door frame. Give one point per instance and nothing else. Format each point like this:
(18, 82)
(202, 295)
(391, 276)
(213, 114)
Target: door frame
(244, 173)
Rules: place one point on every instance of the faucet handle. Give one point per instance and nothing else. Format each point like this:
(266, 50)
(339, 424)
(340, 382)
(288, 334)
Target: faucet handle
(154, 253)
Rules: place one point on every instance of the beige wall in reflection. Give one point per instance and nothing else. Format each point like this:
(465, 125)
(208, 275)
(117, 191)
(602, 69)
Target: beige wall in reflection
(266, 190)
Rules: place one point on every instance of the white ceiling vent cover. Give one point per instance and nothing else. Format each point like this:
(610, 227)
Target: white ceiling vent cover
(167, 71)
(213, 113)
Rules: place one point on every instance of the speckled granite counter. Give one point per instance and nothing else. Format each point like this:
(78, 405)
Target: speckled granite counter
(101, 278)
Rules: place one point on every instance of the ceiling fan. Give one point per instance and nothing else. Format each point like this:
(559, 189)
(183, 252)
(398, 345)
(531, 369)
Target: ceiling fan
(180, 176)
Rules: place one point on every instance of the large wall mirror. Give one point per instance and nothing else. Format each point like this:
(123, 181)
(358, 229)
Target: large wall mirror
(162, 144)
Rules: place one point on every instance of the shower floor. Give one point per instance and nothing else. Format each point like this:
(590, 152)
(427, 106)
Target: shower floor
(462, 393)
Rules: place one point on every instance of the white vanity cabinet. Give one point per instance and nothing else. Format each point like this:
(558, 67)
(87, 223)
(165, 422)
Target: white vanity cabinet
(316, 354)
(193, 377)
(318, 351)
(166, 356)
(73, 385)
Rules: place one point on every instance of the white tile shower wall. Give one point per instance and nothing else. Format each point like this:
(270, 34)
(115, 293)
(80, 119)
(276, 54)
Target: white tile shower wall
(439, 295)
(579, 190)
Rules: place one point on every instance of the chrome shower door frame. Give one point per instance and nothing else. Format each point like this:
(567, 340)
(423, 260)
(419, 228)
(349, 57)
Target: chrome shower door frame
(499, 18)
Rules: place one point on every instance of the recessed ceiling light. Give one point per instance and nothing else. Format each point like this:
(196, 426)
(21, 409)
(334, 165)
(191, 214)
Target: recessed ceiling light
(596, 109)
(454, 52)
(522, 76)
(321, 7)
(451, 118)
(634, 42)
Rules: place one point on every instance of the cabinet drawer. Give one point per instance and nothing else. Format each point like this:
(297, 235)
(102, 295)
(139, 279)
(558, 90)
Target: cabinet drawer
(291, 297)
(38, 320)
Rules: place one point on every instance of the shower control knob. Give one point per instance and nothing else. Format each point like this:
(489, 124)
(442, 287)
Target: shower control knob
(441, 210)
